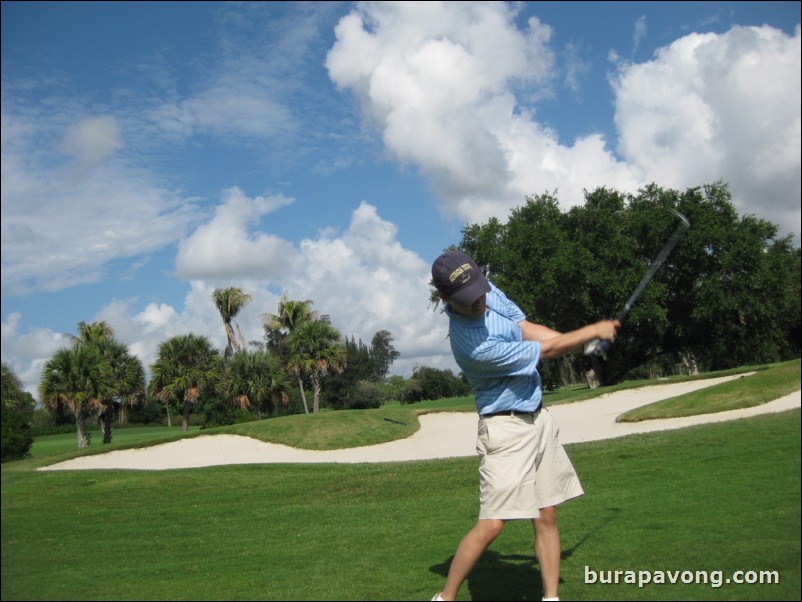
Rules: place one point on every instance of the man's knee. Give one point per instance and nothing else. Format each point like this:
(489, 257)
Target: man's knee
(547, 519)
(489, 528)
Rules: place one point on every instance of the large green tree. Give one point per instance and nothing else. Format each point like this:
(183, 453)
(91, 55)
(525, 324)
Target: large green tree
(739, 300)
(342, 387)
(17, 411)
(727, 295)
(382, 354)
(229, 302)
(79, 379)
(361, 383)
(186, 367)
(315, 350)
(432, 383)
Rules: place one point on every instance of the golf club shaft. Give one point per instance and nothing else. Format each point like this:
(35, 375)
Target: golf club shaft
(599, 347)
(679, 232)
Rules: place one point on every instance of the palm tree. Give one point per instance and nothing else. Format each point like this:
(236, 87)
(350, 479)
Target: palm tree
(278, 326)
(129, 379)
(256, 381)
(96, 331)
(314, 351)
(186, 367)
(79, 379)
(129, 375)
(229, 302)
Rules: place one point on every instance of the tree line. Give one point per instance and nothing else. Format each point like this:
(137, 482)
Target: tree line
(97, 379)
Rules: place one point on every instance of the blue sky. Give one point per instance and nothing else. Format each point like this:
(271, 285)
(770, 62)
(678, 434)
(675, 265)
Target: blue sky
(155, 151)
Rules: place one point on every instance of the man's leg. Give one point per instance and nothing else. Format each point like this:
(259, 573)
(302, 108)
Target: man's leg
(548, 550)
(468, 552)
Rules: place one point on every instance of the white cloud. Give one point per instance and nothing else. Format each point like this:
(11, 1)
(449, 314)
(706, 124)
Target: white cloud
(93, 140)
(639, 33)
(707, 107)
(442, 84)
(368, 282)
(226, 247)
(231, 109)
(26, 353)
(48, 207)
(712, 107)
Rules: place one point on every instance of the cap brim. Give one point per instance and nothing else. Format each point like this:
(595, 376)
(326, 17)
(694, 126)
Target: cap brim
(472, 291)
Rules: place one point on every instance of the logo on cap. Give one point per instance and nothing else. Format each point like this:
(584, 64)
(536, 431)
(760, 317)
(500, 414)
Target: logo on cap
(459, 272)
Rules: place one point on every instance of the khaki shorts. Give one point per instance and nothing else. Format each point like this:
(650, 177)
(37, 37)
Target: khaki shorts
(523, 467)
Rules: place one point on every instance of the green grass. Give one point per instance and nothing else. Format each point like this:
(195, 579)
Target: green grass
(745, 392)
(679, 500)
(721, 497)
(50, 445)
(333, 430)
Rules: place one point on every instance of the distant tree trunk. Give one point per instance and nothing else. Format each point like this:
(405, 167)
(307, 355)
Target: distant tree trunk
(106, 423)
(185, 417)
(566, 370)
(303, 394)
(600, 371)
(591, 380)
(315, 394)
(689, 363)
(80, 429)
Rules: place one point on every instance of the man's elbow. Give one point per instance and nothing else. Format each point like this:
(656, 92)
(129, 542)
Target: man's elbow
(547, 351)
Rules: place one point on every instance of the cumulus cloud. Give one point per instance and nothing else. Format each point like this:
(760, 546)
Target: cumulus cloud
(362, 278)
(712, 107)
(26, 352)
(228, 247)
(367, 281)
(444, 85)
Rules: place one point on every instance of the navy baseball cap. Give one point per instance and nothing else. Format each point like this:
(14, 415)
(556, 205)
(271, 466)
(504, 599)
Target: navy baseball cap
(456, 276)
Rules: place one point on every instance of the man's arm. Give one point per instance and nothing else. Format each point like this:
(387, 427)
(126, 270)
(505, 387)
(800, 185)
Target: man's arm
(540, 333)
(557, 346)
(536, 332)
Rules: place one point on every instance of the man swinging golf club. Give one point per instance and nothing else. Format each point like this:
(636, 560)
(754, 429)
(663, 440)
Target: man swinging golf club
(524, 471)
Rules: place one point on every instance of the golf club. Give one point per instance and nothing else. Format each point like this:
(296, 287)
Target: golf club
(598, 347)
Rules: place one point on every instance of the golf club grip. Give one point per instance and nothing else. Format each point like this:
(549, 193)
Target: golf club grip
(597, 347)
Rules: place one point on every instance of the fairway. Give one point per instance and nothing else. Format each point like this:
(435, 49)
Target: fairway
(672, 500)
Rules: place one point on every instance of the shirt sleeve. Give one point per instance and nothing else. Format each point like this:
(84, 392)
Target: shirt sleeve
(502, 305)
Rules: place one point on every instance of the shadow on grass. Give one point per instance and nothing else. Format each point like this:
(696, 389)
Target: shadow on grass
(499, 576)
(613, 514)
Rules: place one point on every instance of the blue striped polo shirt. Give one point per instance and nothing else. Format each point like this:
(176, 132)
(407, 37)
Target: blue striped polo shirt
(500, 366)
